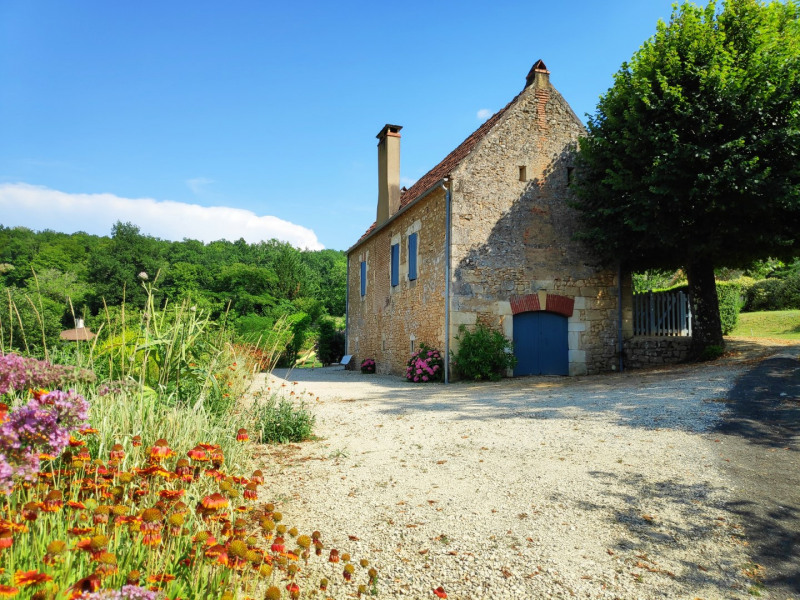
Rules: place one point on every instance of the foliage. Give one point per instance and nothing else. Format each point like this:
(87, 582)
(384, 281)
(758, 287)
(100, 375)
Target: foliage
(29, 322)
(425, 365)
(482, 354)
(330, 342)
(780, 324)
(280, 421)
(654, 279)
(730, 294)
(368, 366)
(691, 158)
(774, 294)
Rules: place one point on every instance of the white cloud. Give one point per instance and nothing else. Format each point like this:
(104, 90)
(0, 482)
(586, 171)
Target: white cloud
(38, 207)
(198, 184)
(484, 114)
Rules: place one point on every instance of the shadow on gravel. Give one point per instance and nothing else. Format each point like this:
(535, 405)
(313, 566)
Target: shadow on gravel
(697, 524)
(762, 438)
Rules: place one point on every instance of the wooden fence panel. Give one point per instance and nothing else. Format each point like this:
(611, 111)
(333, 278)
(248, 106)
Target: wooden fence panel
(662, 314)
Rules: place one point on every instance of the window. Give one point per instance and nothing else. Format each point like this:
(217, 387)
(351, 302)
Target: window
(363, 278)
(395, 264)
(412, 257)
(523, 173)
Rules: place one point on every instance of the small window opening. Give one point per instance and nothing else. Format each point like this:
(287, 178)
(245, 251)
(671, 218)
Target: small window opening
(523, 173)
(570, 176)
(383, 345)
(412, 346)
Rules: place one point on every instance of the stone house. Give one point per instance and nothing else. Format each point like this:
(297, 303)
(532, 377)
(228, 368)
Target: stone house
(487, 236)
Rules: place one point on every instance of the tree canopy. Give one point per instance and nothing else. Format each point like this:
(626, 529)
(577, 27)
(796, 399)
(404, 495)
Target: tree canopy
(692, 158)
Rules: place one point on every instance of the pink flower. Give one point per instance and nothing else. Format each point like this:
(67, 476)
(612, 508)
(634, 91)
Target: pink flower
(424, 378)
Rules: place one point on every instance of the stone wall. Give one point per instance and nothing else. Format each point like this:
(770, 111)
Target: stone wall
(651, 351)
(513, 229)
(387, 320)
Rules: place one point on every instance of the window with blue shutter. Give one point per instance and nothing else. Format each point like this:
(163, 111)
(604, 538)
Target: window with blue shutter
(412, 257)
(363, 278)
(395, 264)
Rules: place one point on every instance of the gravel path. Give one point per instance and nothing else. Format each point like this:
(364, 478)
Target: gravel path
(592, 487)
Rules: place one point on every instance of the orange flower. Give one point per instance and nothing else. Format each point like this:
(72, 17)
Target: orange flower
(6, 591)
(294, 590)
(241, 436)
(87, 584)
(88, 431)
(76, 443)
(250, 491)
(161, 578)
(278, 545)
(117, 452)
(214, 502)
(76, 505)
(171, 494)
(440, 592)
(334, 556)
(257, 477)
(160, 450)
(53, 501)
(198, 454)
(136, 440)
(25, 578)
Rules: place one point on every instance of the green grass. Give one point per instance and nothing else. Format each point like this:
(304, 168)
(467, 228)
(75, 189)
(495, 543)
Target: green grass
(780, 324)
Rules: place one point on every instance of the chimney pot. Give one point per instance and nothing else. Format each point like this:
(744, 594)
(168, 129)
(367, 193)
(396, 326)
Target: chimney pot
(538, 75)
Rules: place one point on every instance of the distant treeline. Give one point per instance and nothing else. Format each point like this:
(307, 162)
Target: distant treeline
(47, 279)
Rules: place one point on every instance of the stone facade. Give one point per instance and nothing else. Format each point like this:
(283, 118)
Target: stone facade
(511, 245)
(388, 322)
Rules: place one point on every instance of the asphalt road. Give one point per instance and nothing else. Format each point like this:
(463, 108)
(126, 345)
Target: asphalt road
(760, 450)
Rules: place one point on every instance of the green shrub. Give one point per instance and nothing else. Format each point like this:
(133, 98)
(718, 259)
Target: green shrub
(774, 294)
(483, 354)
(282, 421)
(330, 344)
(731, 299)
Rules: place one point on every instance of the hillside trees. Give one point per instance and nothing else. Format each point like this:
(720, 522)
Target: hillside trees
(693, 156)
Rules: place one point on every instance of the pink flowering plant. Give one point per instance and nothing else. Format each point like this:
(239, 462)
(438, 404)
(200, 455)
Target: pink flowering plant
(426, 364)
(368, 366)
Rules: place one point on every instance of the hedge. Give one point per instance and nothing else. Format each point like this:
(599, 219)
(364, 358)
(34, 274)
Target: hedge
(774, 294)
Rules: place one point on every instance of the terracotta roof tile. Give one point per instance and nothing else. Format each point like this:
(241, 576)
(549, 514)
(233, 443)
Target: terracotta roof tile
(446, 166)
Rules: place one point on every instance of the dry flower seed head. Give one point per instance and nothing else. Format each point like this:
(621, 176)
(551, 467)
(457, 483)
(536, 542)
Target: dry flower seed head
(362, 589)
(323, 584)
(304, 541)
(346, 557)
(252, 540)
(334, 556)
(107, 558)
(98, 542)
(269, 507)
(133, 577)
(176, 519)
(373, 574)
(349, 568)
(282, 561)
(151, 515)
(124, 477)
(227, 595)
(253, 557)
(258, 476)
(225, 486)
(234, 493)
(292, 570)
(364, 563)
(281, 529)
(56, 547)
(293, 532)
(182, 462)
(180, 507)
(239, 524)
(238, 549)
(119, 510)
(202, 536)
(265, 570)
(273, 593)
(277, 517)
(267, 524)
(103, 509)
(315, 535)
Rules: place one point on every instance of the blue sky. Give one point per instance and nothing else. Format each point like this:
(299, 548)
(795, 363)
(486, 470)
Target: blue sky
(153, 112)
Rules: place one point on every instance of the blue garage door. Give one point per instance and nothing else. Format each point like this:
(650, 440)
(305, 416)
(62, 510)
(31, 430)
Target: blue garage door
(540, 344)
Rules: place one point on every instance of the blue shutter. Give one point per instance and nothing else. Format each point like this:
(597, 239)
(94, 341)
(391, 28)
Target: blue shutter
(363, 278)
(395, 264)
(412, 257)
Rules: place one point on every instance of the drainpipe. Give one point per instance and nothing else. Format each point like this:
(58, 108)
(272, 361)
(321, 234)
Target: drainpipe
(447, 240)
(619, 318)
(347, 308)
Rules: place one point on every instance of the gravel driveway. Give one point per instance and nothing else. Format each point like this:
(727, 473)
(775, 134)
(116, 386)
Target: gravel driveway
(592, 487)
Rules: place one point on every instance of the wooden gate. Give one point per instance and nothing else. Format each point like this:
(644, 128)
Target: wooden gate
(662, 314)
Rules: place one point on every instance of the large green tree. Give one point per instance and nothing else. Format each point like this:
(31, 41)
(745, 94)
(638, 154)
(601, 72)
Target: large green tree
(693, 156)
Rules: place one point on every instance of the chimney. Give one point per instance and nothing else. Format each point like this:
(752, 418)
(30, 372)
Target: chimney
(539, 76)
(388, 172)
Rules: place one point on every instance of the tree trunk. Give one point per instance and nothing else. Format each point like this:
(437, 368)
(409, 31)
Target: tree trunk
(706, 324)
